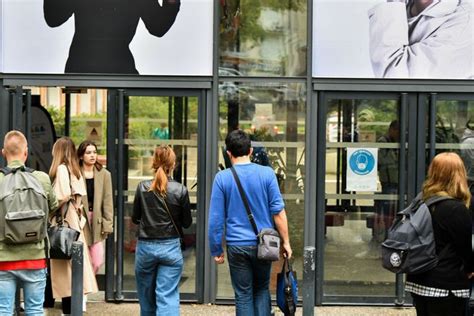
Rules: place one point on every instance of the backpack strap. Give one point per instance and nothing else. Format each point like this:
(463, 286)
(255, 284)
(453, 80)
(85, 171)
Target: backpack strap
(28, 169)
(435, 199)
(6, 170)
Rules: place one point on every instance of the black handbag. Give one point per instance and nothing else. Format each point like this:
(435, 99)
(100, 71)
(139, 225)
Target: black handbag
(61, 237)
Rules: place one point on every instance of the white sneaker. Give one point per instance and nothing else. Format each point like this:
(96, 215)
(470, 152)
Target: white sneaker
(84, 303)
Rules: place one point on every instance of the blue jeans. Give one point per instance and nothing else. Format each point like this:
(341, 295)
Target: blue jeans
(33, 283)
(158, 267)
(250, 279)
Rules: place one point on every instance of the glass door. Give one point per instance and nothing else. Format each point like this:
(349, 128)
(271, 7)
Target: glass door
(451, 128)
(146, 119)
(362, 182)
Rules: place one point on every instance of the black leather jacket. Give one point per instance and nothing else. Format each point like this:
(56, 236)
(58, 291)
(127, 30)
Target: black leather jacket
(150, 213)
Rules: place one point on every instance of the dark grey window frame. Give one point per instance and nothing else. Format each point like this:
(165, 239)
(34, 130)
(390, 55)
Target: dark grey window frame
(418, 100)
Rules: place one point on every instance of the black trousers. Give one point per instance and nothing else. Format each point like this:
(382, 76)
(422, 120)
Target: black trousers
(66, 305)
(48, 292)
(439, 306)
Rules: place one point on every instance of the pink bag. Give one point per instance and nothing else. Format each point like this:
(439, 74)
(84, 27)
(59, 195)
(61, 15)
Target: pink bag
(97, 255)
(96, 252)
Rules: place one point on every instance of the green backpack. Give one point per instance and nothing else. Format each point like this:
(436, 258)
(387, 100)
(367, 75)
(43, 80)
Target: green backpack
(23, 207)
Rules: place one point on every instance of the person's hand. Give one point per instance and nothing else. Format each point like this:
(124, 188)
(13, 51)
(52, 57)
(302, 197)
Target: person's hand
(219, 259)
(287, 252)
(470, 275)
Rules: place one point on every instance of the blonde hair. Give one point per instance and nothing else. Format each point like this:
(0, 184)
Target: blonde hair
(164, 160)
(15, 143)
(447, 177)
(64, 152)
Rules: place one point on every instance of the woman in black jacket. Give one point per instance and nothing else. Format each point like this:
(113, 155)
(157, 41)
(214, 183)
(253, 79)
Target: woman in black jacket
(161, 209)
(444, 290)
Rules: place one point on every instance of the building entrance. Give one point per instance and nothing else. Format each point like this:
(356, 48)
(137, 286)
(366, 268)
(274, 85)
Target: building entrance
(402, 132)
(144, 119)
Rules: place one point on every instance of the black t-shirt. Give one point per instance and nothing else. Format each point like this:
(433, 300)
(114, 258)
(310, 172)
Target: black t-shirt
(90, 192)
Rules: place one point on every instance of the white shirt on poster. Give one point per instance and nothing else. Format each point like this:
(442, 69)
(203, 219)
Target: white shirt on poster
(437, 43)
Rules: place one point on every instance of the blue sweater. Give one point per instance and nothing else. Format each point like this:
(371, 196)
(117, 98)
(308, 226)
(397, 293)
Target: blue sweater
(227, 209)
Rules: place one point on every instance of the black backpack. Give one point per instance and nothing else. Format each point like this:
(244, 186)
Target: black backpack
(410, 245)
(23, 207)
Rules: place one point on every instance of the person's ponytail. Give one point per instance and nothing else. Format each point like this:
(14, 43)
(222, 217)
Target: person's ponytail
(160, 182)
(163, 164)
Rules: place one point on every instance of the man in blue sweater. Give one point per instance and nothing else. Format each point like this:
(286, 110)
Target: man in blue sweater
(250, 276)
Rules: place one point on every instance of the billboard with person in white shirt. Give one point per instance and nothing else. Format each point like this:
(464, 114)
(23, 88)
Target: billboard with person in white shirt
(425, 39)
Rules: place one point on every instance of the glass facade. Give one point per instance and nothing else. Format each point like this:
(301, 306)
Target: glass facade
(274, 116)
(263, 38)
(356, 222)
(152, 121)
(301, 127)
(454, 130)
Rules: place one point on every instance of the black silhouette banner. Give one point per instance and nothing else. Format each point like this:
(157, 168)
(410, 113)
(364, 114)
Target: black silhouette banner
(146, 37)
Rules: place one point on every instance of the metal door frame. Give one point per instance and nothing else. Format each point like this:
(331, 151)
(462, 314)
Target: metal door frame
(407, 124)
(116, 120)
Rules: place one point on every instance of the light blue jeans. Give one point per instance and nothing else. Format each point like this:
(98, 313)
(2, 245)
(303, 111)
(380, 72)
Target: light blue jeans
(158, 267)
(33, 283)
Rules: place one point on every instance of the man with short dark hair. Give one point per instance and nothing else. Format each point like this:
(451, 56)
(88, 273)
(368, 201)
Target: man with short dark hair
(23, 263)
(250, 276)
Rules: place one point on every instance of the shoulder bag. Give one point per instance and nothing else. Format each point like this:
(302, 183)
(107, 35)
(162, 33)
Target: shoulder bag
(268, 239)
(61, 237)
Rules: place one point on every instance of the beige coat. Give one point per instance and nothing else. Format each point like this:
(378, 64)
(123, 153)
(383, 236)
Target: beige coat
(103, 209)
(61, 269)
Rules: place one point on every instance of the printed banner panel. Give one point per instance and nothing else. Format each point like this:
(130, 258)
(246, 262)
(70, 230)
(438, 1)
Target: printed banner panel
(146, 37)
(362, 169)
(423, 39)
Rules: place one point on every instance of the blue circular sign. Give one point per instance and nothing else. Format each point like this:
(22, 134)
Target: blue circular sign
(362, 162)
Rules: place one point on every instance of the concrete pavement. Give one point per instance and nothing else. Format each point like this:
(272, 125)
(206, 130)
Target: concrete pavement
(113, 309)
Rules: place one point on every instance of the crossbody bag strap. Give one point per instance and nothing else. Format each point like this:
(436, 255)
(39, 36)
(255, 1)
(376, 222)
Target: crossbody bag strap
(169, 213)
(246, 202)
(59, 216)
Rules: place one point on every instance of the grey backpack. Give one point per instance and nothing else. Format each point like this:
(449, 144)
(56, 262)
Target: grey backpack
(23, 207)
(410, 245)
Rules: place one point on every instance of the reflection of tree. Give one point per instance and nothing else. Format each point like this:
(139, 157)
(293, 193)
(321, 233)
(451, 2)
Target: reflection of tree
(240, 17)
(288, 171)
(57, 115)
(241, 23)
